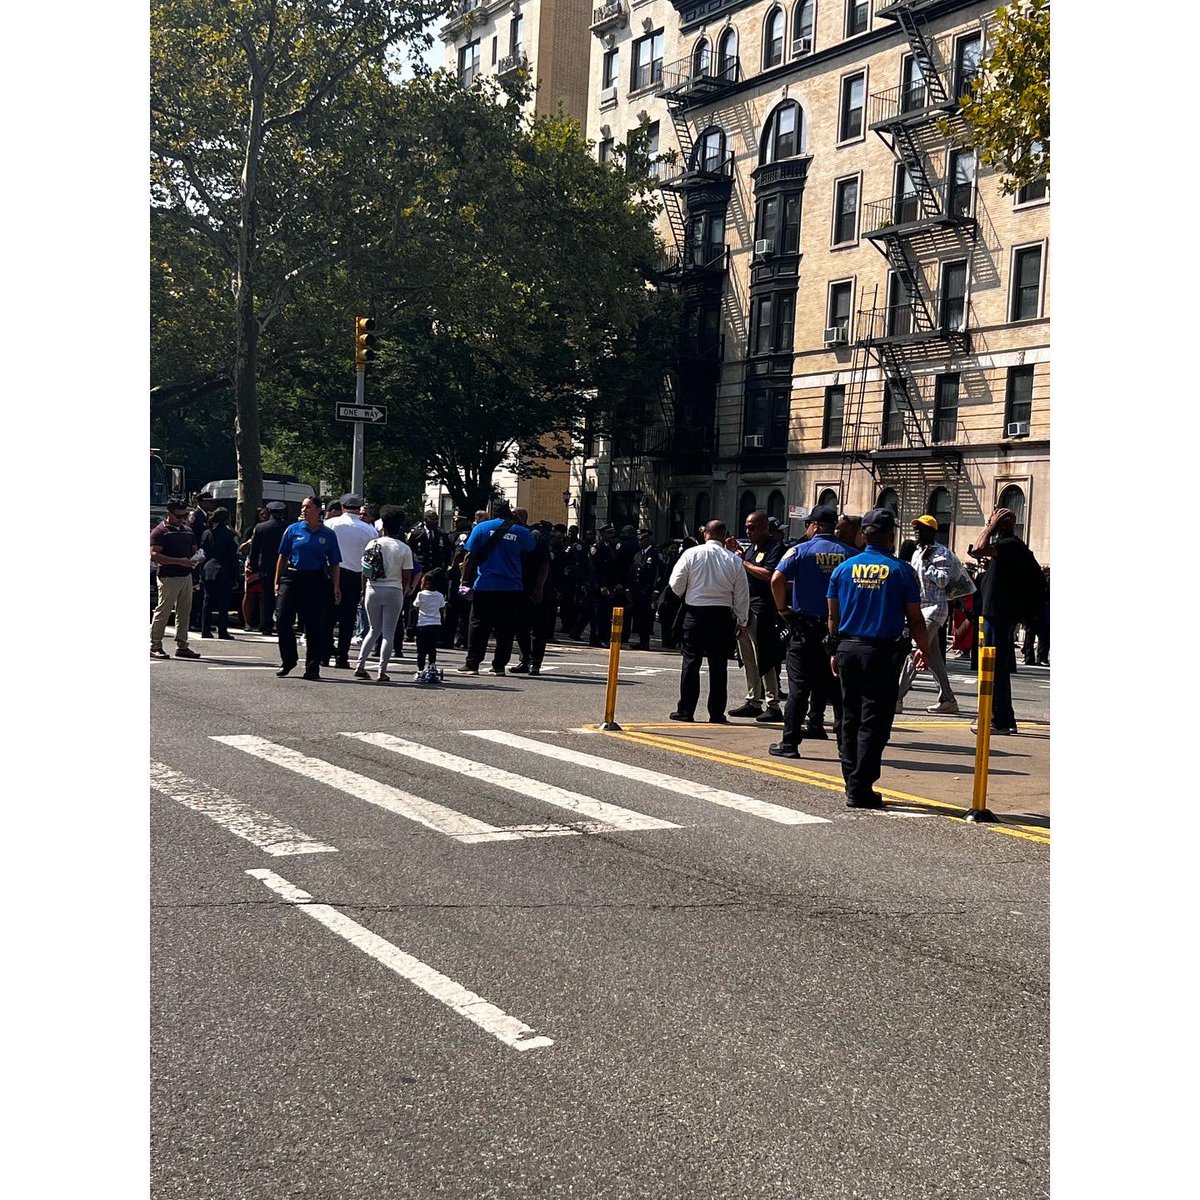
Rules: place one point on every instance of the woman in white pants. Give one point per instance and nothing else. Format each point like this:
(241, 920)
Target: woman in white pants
(385, 597)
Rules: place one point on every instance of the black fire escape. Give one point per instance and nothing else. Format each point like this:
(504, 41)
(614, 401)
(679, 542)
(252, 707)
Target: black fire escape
(927, 216)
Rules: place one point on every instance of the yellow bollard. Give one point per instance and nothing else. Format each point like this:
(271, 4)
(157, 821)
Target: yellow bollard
(614, 660)
(983, 737)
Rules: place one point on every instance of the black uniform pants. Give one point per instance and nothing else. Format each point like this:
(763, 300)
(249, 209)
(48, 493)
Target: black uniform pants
(345, 614)
(602, 607)
(535, 623)
(870, 685)
(809, 679)
(642, 624)
(708, 633)
(492, 611)
(1000, 635)
(309, 595)
(217, 594)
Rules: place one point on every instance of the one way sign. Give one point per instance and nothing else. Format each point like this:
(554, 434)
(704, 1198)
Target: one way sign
(368, 414)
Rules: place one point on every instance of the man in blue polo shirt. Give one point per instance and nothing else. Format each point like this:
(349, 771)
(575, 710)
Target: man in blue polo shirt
(494, 549)
(807, 568)
(307, 582)
(871, 596)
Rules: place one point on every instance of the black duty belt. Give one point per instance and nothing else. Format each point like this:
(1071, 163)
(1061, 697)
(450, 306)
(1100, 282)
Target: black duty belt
(886, 642)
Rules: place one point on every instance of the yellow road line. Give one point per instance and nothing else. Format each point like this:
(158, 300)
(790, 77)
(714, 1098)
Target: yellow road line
(781, 770)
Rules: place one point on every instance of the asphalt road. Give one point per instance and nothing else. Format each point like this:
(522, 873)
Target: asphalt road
(700, 994)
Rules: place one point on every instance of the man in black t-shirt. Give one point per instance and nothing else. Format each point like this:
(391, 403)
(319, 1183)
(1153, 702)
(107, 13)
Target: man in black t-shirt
(760, 643)
(172, 546)
(264, 550)
(537, 604)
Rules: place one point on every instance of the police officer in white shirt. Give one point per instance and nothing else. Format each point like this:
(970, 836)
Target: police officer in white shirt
(353, 534)
(716, 598)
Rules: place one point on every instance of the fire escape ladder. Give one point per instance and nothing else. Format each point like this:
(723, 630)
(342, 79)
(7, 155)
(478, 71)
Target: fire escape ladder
(921, 44)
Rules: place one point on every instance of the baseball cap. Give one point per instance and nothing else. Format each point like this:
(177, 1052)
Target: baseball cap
(350, 500)
(823, 514)
(926, 520)
(878, 520)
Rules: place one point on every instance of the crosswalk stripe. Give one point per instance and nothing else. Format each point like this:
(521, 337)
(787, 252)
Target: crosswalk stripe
(610, 816)
(671, 783)
(493, 1020)
(261, 829)
(425, 812)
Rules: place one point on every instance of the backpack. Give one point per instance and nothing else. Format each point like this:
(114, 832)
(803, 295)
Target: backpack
(373, 566)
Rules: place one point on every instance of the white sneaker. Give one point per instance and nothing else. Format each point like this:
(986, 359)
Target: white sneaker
(946, 706)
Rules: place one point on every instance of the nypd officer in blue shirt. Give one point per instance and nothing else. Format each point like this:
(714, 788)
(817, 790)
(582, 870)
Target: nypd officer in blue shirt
(871, 595)
(306, 551)
(808, 567)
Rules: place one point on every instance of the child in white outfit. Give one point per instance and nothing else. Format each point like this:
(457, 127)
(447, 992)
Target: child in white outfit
(430, 603)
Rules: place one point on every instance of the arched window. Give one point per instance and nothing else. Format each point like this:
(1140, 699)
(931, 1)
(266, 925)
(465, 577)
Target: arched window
(1012, 497)
(746, 505)
(678, 515)
(775, 505)
(828, 496)
(727, 55)
(773, 33)
(703, 509)
(802, 25)
(890, 500)
(702, 58)
(941, 506)
(784, 133)
(710, 151)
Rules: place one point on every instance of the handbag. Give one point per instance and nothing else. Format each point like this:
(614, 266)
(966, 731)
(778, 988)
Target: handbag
(960, 584)
(373, 566)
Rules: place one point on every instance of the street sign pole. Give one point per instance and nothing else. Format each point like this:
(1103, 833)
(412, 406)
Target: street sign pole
(356, 461)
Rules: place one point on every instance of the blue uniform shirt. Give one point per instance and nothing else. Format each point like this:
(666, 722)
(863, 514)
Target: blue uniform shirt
(872, 589)
(808, 567)
(501, 570)
(309, 549)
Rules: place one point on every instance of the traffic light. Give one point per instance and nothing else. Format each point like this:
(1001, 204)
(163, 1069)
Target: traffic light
(364, 342)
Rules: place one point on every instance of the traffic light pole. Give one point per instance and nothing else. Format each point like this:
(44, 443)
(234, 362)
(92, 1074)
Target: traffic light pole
(356, 459)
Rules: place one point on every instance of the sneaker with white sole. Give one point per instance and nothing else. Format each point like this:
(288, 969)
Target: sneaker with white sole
(946, 706)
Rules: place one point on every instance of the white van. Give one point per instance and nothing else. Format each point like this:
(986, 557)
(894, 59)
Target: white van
(275, 487)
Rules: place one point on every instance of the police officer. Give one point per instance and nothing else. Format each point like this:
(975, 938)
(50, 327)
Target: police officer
(807, 568)
(602, 581)
(646, 576)
(306, 550)
(871, 595)
(264, 550)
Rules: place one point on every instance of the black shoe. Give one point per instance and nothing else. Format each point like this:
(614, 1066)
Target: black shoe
(342, 664)
(770, 715)
(314, 676)
(816, 732)
(749, 709)
(534, 669)
(678, 716)
(207, 635)
(643, 645)
(185, 652)
(520, 669)
(497, 671)
(285, 670)
(783, 750)
(875, 801)
(721, 720)
(227, 637)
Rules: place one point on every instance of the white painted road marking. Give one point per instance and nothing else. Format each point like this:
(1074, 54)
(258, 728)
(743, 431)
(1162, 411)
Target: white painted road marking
(671, 783)
(609, 816)
(243, 668)
(259, 828)
(425, 812)
(453, 995)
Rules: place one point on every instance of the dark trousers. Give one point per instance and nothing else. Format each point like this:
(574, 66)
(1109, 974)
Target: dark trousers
(345, 614)
(1000, 635)
(492, 611)
(1040, 630)
(197, 599)
(602, 607)
(217, 594)
(266, 605)
(427, 637)
(535, 623)
(309, 595)
(642, 624)
(707, 634)
(870, 685)
(810, 681)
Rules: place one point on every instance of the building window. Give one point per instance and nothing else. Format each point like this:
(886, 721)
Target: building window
(605, 150)
(1026, 283)
(1013, 499)
(906, 204)
(710, 151)
(706, 238)
(1018, 397)
(841, 296)
(762, 314)
(828, 496)
(802, 25)
(612, 68)
(941, 507)
(900, 306)
(773, 323)
(790, 241)
(495, 49)
(767, 418)
(773, 34)
(776, 503)
(783, 136)
(895, 405)
(913, 92)
(857, 13)
(746, 505)
(784, 236)
(845, 211)
(889, 499)
(954, 297)
(1035, 190)
(515, 33)
(468, 63)
(967, 55)
(701, 58)
(647, 61)
(945, 409)
(850, 123)
(961, 201)
(835, 406)
(727, 55)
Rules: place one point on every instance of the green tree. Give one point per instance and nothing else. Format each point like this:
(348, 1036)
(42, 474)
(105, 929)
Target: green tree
(1008, 109)
(257, 160)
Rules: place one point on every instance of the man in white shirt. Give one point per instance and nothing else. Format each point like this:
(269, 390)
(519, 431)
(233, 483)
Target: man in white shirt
(353, 534)
(712, 584)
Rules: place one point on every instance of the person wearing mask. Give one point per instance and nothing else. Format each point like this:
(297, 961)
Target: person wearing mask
(871, 595)
(494, 552)
(759, 641)
(219, 573)
(307, 582)
(385, 595)
(806, 569)
(936, 567)
(172, 548)
(353, 535)
(711, 582)
(264, 550)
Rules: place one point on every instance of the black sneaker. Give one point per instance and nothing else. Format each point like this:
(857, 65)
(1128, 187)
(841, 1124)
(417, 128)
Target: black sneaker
(185, 652)
(783, 750)
(520, 669)
(342, 664)
(769, 715)
(158, 652)
(749, 709)
(816, 732)
(497, 671)
(875, 801)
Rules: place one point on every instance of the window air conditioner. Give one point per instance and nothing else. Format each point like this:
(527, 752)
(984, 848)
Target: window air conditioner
(1017, 429)
(763, 248)
(801, 45)
(608, 96)
(755, 441)
(836, 335)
